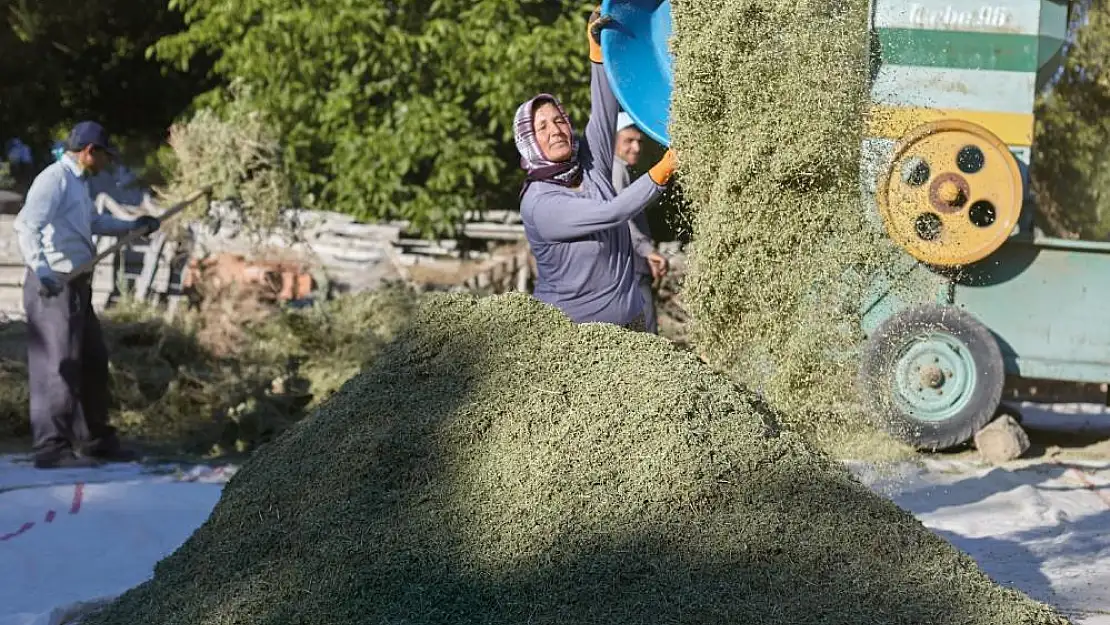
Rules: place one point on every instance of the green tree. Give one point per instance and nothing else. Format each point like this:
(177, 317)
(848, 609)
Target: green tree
(399, 109)
(1071, 177)
(65, 60)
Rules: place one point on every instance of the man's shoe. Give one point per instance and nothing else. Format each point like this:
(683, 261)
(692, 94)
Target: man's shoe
(64, 459)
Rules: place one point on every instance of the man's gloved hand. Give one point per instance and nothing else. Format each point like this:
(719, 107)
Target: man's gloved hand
(662, 171)
(147, 224)
(50, 285)
(593, 33)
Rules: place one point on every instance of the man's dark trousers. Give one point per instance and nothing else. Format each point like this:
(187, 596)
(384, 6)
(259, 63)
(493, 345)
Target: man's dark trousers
(648, 293)
(68, 366)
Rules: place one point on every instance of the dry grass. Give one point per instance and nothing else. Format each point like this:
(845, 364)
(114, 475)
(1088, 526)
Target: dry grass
(226, 378)
(237, 152)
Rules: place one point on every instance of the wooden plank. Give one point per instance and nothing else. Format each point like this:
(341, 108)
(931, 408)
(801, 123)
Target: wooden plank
(103, 283)
(11, 300)
(492, 227)
(104, 277)
(165, 272)
(373, 232)
(309, 218)
(162, 279)
(522, 279)
(104, 242)
(446, 244)
(150, 265)
(12, 275)
(349, 254)
(350, 242)
(339, 265)
(409, 259)
(9, 244)
(500, 232)
(100, 300)
(10, 254)
(431, 250)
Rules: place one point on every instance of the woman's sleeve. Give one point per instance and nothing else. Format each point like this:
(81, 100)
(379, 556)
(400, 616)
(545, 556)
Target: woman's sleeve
(601, 129)
(641, 235)
(562, 217)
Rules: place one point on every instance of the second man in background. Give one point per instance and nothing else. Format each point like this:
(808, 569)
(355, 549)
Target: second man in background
(650, 265)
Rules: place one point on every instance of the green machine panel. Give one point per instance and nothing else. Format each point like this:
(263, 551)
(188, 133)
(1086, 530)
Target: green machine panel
(1047, 303)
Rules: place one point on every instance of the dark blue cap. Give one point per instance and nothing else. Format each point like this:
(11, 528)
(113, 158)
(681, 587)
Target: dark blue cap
(86, 133)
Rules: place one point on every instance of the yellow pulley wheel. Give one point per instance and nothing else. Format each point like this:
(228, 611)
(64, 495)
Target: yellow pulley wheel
(952, 193)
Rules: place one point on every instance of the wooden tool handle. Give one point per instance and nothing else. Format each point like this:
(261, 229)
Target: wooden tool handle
(131, 236)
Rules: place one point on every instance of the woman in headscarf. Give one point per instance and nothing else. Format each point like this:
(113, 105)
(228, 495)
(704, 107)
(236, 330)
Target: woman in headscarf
(576, 224)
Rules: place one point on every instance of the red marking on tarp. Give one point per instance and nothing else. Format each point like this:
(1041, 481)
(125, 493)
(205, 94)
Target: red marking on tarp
(26, 526)
(1082, 476)
(74, 508)
(78, 495)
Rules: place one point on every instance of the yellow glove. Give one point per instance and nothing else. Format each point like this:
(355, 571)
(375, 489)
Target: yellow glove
(593, 33)
(662, 171)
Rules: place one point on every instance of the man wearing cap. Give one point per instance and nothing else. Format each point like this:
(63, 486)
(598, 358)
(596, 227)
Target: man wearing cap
(649, 264)
(66, 355)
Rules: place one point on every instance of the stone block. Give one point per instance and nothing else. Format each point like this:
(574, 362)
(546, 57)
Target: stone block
(1002, 440)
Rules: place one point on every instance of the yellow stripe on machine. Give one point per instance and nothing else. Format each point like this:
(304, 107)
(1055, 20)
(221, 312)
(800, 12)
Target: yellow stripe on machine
(885, 122)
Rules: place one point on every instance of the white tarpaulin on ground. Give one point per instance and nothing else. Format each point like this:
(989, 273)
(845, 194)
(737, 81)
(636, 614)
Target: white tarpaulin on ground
(1041, 526)
(86, 534)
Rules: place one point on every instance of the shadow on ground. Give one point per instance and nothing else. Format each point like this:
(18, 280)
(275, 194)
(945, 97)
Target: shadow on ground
(1026, 526)
(1020, 560)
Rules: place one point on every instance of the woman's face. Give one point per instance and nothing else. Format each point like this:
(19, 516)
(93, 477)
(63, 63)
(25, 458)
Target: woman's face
(552, 133)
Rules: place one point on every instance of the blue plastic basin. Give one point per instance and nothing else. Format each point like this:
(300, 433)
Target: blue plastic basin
(635, 49)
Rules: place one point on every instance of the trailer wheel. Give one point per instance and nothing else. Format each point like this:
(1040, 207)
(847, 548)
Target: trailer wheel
(932, 376)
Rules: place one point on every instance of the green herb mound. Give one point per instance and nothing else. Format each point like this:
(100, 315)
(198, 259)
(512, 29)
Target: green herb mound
(497, 464)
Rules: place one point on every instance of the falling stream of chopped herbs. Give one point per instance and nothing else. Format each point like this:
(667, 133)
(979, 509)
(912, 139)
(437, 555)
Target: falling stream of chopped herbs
(767, 110)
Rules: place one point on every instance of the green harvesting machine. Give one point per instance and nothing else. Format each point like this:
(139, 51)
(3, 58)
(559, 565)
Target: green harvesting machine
(945, 174)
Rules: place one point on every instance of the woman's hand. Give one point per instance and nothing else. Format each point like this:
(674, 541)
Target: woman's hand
(662, 171)
(593, 33)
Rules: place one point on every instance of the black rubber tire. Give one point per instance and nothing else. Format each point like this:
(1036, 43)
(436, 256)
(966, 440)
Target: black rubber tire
(877, 385)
